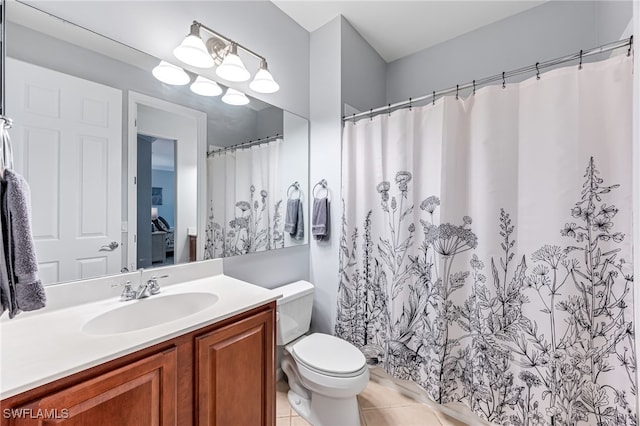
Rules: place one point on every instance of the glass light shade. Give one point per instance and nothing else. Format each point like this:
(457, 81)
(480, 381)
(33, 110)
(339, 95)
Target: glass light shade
(232, 68)
(192, 51)
(234, 97)
(170, 74)
(263, 82)
(205, 87)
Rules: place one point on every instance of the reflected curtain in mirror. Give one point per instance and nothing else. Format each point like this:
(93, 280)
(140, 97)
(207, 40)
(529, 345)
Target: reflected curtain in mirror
(245, 199)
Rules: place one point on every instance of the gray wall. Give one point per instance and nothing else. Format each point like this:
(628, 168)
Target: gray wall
(344, 69)
(363, 71)
(324, 154)
(554, 29)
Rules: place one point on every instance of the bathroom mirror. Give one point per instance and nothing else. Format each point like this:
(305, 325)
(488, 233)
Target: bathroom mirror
(128, 172)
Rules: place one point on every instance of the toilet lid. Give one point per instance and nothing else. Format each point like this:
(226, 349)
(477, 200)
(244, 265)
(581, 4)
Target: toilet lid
(324, 352)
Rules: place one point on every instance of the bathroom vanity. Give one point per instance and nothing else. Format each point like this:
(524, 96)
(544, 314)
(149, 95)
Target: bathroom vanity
(212, 367)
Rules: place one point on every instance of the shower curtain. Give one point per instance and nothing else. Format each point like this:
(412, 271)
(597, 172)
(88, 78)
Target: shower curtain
(486, 247)
(245, 201)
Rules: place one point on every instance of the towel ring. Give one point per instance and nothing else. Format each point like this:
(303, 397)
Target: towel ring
(323, 184)
(296, 187)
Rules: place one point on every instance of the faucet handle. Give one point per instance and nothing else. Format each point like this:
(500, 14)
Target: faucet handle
(154, 287)
(127, 292)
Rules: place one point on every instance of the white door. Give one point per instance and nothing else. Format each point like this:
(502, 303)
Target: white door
(67, 138)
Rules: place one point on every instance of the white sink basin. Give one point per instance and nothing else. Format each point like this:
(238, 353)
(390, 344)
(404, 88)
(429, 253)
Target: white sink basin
(149, 312)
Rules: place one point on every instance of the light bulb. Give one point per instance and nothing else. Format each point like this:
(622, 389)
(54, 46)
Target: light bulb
(170, 74)
(205, 87)
(235, 97)
(232, 68)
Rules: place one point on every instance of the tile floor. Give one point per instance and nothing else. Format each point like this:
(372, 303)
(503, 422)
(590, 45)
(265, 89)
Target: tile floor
(379, 406)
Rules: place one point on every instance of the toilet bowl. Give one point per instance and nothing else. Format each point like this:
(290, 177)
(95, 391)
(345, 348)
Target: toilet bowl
(325, 373)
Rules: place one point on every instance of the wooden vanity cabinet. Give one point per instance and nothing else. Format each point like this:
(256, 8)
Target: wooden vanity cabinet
(223, 374)
(234, 377)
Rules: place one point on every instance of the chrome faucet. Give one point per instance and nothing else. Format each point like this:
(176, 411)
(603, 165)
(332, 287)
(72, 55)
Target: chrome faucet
(127, 292)
(149, 288)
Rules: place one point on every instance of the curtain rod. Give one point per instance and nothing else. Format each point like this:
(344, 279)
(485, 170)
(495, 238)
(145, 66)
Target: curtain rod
(246, 144)
(498, 77)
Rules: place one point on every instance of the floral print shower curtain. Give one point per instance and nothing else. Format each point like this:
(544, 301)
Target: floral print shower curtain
(245, 196)
(486, 247)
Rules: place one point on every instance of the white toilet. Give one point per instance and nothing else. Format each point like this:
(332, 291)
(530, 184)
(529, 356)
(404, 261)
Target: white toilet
(325, 373)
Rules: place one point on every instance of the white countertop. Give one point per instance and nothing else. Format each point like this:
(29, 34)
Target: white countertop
(42, 348)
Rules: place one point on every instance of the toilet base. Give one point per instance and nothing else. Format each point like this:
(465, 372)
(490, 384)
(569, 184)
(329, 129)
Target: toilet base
(325, 411)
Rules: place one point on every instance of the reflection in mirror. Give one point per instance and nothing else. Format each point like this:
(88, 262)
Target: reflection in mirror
(252, 208)
(82, 106)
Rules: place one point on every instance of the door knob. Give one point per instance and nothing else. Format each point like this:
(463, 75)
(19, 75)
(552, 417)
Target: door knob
(111, 247)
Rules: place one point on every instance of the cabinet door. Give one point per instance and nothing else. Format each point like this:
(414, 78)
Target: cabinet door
(235, 373)
(138, 394)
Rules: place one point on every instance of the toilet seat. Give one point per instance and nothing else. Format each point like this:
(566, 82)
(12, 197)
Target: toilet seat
(329, 355)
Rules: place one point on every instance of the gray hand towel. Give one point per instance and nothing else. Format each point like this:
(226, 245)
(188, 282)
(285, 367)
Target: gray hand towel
(320, 219)
(21, 254)
(294, 222)
(7, 298)
(291, 217)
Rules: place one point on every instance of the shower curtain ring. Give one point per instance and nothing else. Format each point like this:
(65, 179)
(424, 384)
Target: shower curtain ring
(389, 110)
(474, 87)
(354, 118)
(580, 64)
(630, 45)
(410, 106)
(537, 71)
(504, 84)
(371, 114)
(457, 91)
(434, 97)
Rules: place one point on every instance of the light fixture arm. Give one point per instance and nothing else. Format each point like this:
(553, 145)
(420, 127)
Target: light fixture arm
(199, 26)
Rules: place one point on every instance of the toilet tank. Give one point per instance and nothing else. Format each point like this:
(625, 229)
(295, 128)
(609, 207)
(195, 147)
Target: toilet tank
(294, 311)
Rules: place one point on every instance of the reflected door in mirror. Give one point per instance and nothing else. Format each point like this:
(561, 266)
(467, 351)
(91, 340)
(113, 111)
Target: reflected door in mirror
(67, 140)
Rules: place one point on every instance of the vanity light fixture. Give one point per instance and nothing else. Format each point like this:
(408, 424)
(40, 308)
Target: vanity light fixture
(205, 87)
(193, 51)
(235, 97)
(170, 74)
(223, 52)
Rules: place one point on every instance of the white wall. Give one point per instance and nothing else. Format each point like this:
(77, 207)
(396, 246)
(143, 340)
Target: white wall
(154, 122)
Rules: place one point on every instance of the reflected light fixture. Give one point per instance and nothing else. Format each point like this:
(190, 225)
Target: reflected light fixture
(205, 87)
(223, 52)
(235, 97)
(170, 74)
(192, 50)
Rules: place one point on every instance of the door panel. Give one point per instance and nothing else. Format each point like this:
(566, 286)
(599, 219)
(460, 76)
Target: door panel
(67, 138)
